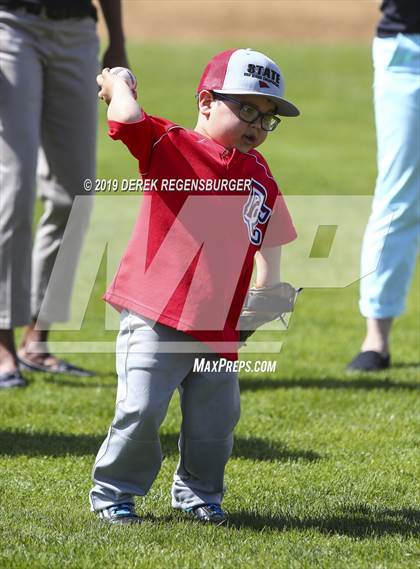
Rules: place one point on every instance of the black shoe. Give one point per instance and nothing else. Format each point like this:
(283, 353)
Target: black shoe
(120, 514)
(209, 513)
(12, 379)
(62, 367)
(369, 361)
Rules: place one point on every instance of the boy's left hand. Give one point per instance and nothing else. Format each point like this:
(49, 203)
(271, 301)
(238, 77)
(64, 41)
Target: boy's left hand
(265, 304)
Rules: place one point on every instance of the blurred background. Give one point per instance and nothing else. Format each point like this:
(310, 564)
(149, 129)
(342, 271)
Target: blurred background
(292, 20)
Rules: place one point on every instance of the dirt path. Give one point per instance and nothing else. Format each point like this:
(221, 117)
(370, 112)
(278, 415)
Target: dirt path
(195, 20)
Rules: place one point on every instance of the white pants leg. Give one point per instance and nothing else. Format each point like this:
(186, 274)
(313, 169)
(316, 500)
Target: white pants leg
(391, 239)
(130, 457)
(210, 406)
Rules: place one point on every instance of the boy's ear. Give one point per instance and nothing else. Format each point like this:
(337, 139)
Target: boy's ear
(205, 99)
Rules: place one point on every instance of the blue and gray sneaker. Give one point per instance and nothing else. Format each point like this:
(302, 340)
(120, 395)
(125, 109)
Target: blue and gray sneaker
(120, 514)
(209, 513)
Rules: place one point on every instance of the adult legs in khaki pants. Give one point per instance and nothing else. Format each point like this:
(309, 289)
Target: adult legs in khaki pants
(48, 98)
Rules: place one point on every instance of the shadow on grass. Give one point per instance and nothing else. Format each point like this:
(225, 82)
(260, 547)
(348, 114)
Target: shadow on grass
(87, 382)
(256, 384)
(18, 443)
(360, 521)
(353, 381)
(406, 365)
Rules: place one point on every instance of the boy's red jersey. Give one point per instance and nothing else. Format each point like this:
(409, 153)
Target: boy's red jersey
(205, 211)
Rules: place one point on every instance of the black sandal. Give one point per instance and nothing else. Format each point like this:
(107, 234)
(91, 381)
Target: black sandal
(61, 367)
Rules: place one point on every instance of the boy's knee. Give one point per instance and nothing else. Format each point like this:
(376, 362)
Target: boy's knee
(141, 422)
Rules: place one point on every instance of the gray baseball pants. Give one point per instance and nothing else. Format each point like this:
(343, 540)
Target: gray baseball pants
(130, 457)
(48, 98)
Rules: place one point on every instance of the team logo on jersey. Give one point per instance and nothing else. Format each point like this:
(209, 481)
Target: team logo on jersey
(256, 211)
(264, 74)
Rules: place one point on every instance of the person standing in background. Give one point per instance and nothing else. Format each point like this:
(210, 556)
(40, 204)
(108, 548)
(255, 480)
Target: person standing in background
(48, 99)
(391, 238)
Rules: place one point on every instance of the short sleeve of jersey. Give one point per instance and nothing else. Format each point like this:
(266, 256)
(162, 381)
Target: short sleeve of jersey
(140, 137)
(280, 229)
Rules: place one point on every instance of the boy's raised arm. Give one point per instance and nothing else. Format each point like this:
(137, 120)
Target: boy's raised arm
(120, 98)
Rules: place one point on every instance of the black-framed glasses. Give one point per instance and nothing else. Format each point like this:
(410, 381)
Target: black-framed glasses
(250, 114)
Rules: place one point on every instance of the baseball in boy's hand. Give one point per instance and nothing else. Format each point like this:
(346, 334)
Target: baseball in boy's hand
(125, 74)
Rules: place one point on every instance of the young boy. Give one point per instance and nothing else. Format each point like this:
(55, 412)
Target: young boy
(183, 279)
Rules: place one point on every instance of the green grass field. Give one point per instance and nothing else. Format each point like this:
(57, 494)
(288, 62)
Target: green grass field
(325, 467)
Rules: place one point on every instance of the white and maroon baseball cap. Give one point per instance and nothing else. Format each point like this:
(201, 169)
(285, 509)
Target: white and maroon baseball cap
(247, 72)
